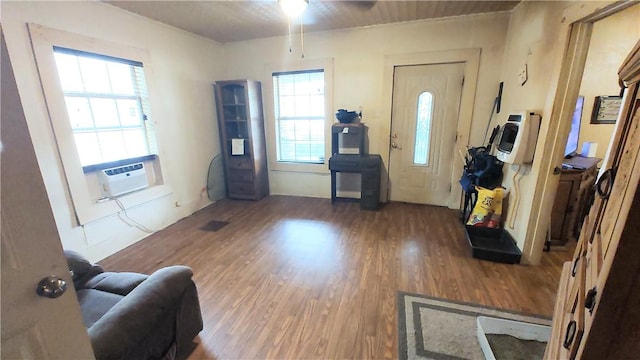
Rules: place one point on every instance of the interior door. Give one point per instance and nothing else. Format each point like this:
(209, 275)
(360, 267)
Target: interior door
(33, 327)
(605, 214)
(424, 118)
(612, 263)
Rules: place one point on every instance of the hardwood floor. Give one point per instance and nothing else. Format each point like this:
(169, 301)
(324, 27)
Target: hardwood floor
(293, 277)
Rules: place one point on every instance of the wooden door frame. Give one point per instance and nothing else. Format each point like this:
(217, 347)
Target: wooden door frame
(575, 35)
(471, 60)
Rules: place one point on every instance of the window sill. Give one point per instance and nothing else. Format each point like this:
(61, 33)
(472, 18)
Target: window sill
(96, 167)
(300, 167)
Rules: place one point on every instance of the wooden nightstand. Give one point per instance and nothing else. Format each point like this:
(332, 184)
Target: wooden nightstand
(574, 188)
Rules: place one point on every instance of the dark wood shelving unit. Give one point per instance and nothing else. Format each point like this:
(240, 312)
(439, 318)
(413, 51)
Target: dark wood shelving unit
(241, 121)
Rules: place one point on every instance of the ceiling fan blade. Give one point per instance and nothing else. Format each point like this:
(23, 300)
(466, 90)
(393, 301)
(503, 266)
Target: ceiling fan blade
(362, 4)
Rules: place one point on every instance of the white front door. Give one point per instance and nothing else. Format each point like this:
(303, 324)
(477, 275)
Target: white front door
(33, 327)
(424, 119)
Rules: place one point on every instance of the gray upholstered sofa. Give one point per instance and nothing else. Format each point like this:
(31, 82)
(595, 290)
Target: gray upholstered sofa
(137, 316)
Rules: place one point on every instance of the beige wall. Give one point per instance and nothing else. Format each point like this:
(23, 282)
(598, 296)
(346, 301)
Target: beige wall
(532, 40)
(538, 32)
(183, 67)
(358, 67)
(612, 39)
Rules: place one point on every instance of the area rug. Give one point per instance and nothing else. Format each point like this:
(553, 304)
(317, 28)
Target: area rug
(433, 328)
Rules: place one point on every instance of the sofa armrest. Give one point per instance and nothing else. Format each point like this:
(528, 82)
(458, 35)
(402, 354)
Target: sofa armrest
(80, 268)
(130, 321)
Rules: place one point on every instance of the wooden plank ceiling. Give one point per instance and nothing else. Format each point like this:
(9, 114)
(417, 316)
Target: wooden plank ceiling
(228, 21)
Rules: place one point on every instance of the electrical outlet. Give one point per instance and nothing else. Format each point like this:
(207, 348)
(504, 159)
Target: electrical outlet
(523, 75)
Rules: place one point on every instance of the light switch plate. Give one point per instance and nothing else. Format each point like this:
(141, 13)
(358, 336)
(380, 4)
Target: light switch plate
(523, 75)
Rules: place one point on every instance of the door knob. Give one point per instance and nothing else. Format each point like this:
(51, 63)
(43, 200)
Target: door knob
(51, 287)
(395, 145)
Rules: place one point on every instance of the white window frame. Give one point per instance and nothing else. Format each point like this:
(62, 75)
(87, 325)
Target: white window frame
(140, 97)
(83, 187)
(298, 65)
(295, 119)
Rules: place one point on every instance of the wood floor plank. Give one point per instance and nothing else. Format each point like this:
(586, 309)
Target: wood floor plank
(293, 277)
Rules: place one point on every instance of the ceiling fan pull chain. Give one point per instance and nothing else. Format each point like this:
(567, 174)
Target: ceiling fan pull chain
(289, 21)
(302, 38)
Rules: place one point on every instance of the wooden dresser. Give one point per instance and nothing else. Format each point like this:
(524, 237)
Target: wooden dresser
(597, 310)
(572, 197)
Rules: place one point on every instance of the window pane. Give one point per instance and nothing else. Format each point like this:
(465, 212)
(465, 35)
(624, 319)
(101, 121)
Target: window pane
(303, 85)
(129, 112)
(105, 113)
(79, 112)
(316, 85)
(423, 129)
(287, 151)
(286, 86)
(135, 143)
(316, 129)
(303, 106)
(302, 130)
(112, 146)
(69, 72)
(88, 148)
(316, 105)
(94, 75)
(120, 79)
(287, 106)
(303, 151)
(287, 130)
(317, 151)
(300, 116)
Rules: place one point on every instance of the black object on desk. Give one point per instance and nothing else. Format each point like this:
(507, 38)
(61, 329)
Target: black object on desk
(357, 130)
(369, 167)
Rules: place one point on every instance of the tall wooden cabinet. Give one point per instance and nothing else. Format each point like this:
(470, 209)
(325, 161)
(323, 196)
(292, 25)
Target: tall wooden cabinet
(597, 311)
(242, 138)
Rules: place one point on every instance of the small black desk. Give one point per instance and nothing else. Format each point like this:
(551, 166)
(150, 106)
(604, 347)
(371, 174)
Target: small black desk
(369, 166)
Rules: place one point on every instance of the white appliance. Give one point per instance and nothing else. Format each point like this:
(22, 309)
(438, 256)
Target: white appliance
(519, 137)
(123, 179)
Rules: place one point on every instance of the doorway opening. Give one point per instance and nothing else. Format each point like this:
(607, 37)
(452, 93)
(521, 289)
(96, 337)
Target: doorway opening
(593, 122)
(568, 89)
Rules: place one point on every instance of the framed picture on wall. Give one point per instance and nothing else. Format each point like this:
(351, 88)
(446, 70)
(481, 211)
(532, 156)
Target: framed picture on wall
(605, 109)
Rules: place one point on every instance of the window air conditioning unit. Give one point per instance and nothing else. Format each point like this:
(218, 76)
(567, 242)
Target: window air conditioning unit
(123, 179)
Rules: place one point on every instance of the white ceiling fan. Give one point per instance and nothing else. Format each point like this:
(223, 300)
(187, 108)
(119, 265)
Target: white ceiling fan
(294, 8)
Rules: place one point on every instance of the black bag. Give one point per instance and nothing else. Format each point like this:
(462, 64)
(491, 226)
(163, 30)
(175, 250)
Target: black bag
(481, 169)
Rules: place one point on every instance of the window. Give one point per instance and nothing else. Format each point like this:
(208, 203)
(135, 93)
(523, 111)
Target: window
(97, 88)
(423, 129)
(299, 105)
(107, 103)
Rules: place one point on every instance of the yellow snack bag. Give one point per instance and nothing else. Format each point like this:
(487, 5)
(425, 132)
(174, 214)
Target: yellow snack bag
(488, 208)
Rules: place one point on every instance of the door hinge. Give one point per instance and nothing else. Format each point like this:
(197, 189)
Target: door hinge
(463, 81)
(449, 187)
